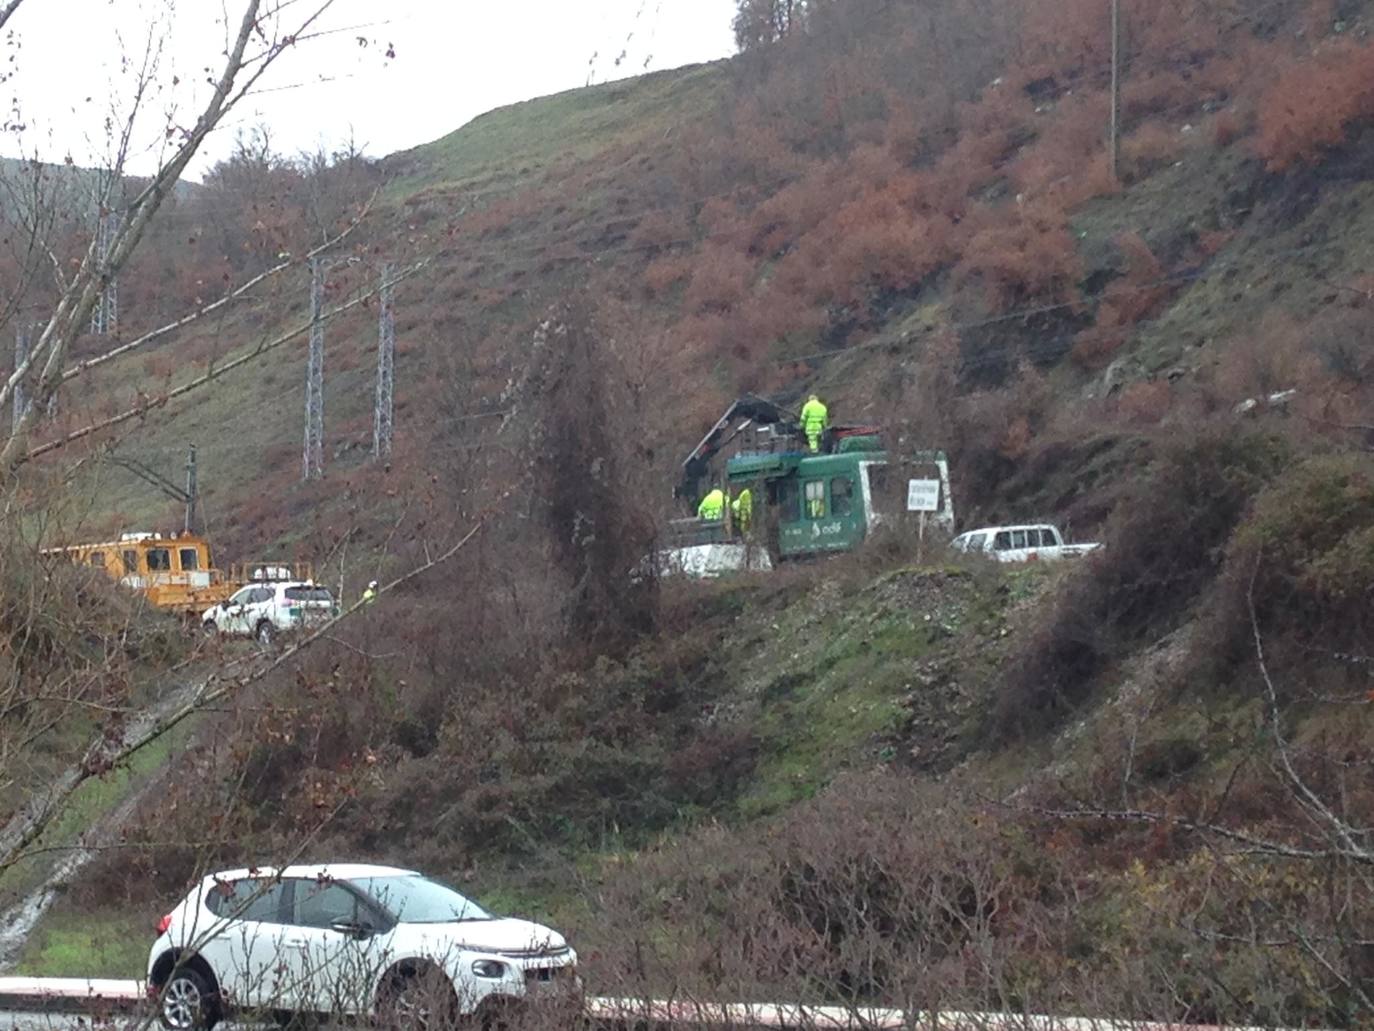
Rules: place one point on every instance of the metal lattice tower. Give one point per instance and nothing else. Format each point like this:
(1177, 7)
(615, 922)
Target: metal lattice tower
(313, 464)
(21, 353)
(386, 367)
(105, 317)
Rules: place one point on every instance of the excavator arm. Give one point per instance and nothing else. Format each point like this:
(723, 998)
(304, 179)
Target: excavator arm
(746, 412)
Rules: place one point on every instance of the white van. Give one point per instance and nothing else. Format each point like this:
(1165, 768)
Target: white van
(1021, 543)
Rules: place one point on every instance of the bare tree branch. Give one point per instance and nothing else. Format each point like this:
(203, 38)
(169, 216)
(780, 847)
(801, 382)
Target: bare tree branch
(8, 10)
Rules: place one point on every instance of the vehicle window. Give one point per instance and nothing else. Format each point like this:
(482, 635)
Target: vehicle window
(323, 904)
(260, 594)
(130, 561)
(1002, 541)
(418, 900)
(159, 559)
(1018, 538)
(977, 542)
(257, 899)
(309, 594)
(241, 597)
(189, 560)
(841, 496)
(815, 499)
(97, 559)
(786, 498)
(880, 482)
(1047, 538)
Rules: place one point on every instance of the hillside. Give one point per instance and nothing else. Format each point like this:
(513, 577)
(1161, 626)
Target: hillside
(1135, 785)
(1158, 301)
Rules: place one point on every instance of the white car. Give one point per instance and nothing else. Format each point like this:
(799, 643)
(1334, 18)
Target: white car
(1020, 543)
(262, 610)
(348, 940)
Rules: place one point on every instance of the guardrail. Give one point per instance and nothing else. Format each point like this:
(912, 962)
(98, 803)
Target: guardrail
(77, 995)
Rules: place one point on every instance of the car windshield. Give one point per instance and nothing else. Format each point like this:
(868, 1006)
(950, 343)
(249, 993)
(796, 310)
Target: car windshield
(413, 899)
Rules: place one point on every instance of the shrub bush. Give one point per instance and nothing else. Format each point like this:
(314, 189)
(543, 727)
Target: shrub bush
(1313, 102)
(1163, 548)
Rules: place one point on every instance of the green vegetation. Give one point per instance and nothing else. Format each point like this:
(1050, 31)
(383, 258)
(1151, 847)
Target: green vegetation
(82, 942)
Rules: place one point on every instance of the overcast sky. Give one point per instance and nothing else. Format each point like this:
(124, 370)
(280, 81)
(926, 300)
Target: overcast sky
(453, 61)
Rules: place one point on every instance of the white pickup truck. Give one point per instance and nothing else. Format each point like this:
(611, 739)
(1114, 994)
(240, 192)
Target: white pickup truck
(1020, 543)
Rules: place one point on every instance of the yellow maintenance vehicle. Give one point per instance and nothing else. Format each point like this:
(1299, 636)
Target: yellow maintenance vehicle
(176, 572)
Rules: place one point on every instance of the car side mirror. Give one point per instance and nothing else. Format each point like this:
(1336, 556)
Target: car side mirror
(356, 931)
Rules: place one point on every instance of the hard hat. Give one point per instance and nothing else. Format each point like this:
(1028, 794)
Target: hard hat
(372, 585)
(814, 397)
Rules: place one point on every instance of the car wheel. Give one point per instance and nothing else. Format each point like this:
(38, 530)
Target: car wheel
(187, 1002)
(265, 633)
(423, 1000)
(210, 627)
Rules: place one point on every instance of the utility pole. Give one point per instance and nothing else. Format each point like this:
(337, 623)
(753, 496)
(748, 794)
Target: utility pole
(1114, 154)
(313, 463)
(105, 316)
(190, 524)
(21, 354)
(386, 367)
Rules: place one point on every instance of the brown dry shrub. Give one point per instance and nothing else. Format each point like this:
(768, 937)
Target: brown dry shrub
(722, 279)
(1015, 256)
(1279, 354)
(1131, 297)
(1060, 165)
(878, 892)
(662, 274)
(798, 208)
(1313, 102)
(1227, 127)
(1152, 145)
(1064, 40)
(1145, 403)
(659, 230)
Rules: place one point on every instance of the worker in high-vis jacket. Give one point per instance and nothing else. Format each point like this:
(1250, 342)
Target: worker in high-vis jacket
(815, 418)
(742, 508)
(712, 507)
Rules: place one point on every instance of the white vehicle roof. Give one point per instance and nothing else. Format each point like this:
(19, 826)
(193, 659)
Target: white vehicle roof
(282, 583)
(1010, 527)
(335, 871)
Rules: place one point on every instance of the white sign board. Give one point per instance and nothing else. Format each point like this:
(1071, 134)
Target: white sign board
(923, 496)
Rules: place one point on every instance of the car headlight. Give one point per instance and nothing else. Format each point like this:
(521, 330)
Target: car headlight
(489, 968)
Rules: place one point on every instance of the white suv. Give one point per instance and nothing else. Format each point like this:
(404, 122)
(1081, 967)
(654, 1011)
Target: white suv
(349, 940)
(262, 610)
